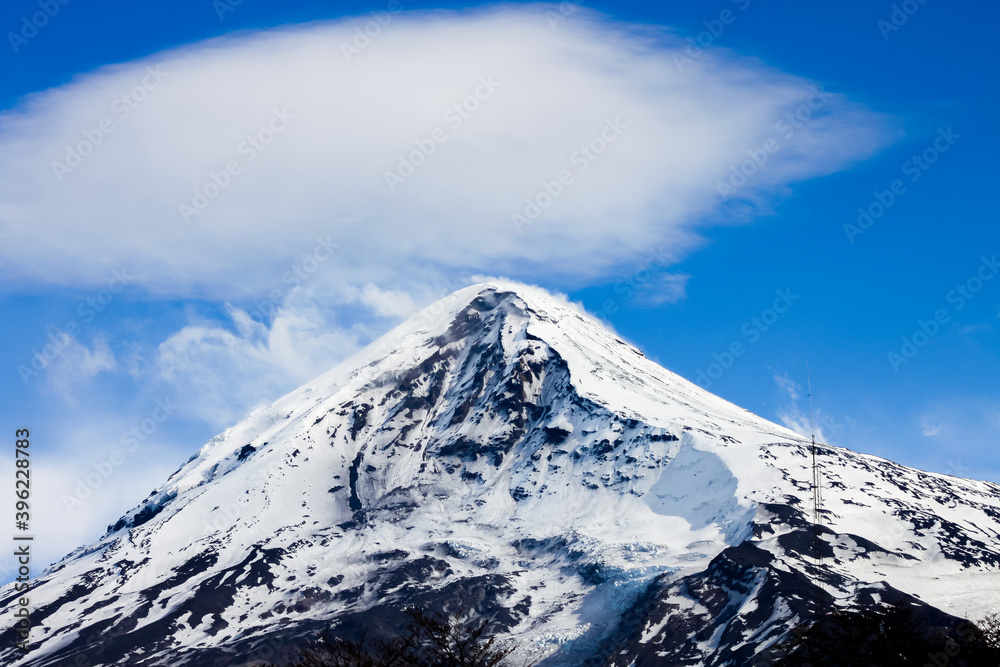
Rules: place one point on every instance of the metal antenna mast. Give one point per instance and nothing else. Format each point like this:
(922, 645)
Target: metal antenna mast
(817, 481)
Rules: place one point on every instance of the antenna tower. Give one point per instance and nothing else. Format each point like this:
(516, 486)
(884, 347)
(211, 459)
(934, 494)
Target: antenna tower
(817, 480)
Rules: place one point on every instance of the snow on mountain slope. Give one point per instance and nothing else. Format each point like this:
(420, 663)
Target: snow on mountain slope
(503, 452)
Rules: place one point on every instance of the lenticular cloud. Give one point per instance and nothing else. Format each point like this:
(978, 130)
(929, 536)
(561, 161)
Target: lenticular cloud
(496, 140)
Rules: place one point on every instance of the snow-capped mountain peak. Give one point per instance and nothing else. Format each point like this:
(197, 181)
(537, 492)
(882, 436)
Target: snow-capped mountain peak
(505, 452)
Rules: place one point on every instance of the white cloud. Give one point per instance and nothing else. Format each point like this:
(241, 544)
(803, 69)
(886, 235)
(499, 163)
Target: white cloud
(662, 288)
(798, 418)
(795, 420)
(85, 477)
(930, 428)
(548, 93)
(218, 374)
(787, 384)
(75, 364)
(220, 371)
(388, 303)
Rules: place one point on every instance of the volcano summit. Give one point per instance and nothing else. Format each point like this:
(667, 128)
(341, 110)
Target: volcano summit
(504, 453)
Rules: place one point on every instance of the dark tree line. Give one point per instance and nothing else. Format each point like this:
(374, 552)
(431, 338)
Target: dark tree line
(881, 636)
(889, 636)
(428, 641)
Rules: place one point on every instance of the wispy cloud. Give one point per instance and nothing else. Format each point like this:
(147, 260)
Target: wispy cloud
(217, 371)
(786, 384)
(794, 412)
(930, 428)
(662, 288)
(76, 364)
(89, 473)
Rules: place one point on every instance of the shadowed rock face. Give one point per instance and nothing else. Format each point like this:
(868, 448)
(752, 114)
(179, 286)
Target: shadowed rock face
(505, 456)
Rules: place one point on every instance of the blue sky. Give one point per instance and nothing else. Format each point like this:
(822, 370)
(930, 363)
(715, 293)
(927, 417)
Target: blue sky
(182, 322)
